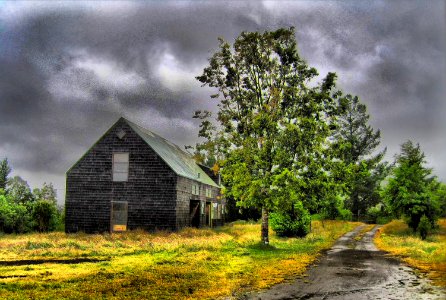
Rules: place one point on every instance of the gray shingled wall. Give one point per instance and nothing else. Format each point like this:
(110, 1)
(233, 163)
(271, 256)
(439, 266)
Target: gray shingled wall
(150, 189)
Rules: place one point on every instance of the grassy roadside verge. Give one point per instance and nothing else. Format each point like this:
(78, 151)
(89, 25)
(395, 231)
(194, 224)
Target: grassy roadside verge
(190, 264)
(429, 256)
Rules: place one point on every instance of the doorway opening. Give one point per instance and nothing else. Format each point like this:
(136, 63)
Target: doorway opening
(194, 213)
(119, 216)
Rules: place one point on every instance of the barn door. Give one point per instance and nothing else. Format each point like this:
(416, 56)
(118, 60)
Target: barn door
(119, 215)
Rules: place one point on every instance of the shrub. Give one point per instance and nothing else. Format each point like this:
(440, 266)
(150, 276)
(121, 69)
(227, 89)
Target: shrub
(344, 214)
(45, 215)
(291, 223)
(378, 214)
(424, 227)
(14, 218)
(334, 210)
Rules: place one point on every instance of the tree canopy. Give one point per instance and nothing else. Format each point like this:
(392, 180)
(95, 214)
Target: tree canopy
(5, 169)
(354, 142)
(271, 124)
(411, 190)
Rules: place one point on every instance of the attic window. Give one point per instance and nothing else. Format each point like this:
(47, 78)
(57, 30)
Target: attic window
(120, 166)
(121, 134)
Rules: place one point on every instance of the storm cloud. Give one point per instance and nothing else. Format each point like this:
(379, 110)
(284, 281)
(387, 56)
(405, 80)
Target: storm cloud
(69, 70)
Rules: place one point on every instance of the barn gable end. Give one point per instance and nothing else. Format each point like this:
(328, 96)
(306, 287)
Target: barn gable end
(156, 195)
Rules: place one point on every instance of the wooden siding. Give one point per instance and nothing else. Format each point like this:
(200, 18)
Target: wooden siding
(184, 197)
(150, 190)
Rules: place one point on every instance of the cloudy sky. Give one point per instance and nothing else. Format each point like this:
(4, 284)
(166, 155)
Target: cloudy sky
(69, 70)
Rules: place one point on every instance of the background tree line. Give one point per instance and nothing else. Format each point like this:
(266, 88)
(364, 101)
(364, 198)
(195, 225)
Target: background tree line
(23, 210)
(288, 146)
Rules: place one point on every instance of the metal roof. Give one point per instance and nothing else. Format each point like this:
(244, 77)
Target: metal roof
(179, 161)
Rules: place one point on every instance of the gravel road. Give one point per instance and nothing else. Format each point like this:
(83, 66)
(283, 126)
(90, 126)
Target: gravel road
(355, 269)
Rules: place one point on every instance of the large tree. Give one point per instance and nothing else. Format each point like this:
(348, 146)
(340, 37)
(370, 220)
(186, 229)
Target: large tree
(19, 190)
(411, 190)
(47, 192)
(354, 143)
(271, 123)
(5, 169)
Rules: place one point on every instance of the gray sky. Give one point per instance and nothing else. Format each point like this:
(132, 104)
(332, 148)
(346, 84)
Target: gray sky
(68, 70)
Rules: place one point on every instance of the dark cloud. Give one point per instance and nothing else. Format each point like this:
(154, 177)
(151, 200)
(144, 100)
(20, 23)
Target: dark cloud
(69, 71)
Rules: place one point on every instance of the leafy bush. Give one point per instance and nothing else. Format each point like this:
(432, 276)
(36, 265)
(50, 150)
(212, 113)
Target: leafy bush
(424, 227)
(344, 214)
(14, 218)
(378, 214)
(45, 215)
(334, 210)
(291, 223)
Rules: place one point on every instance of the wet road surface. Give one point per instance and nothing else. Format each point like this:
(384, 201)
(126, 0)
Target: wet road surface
(355, 269)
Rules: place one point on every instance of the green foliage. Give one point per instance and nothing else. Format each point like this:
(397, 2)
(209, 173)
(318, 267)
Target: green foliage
(19, 190)
(353, 143)
(45, 215)
(14, 217)
(424, 227)
(411, 191)
(234, 212)
(5, 169)
(18, 215)
(333, 209)
(47, 192)
(291, 223)
(378, 214)
(272, 124)
(438, 196)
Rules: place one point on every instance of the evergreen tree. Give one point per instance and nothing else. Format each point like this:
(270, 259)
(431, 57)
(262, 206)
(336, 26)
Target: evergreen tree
(354, 142)
(5, 169)
(410, 191)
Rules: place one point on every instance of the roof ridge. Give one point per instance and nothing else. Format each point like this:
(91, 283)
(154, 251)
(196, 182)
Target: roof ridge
(180, 161)
(157, 135)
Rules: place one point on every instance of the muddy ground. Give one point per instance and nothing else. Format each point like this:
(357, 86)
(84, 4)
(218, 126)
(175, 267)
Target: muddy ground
(355, 269)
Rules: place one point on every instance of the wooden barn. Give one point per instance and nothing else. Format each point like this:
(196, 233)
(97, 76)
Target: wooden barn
(133, 178)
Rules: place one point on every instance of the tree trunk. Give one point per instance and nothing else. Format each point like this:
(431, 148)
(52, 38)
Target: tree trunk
(265, 236)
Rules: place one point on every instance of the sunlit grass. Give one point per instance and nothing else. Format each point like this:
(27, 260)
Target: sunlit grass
(189, 264)
(429, 255)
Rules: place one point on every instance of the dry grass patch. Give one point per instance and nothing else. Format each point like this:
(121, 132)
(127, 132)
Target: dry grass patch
(429, 255)
(189, 264)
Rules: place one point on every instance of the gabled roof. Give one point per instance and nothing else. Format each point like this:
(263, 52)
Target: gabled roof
(178, 160)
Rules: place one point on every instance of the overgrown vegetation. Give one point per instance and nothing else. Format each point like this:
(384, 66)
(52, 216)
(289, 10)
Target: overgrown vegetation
(412, 192)
(22, 210)
(189, 264)
(428, 255)
(278, 138)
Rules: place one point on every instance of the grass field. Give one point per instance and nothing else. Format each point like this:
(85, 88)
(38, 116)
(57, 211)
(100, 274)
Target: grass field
(189, 264)
(429, 256)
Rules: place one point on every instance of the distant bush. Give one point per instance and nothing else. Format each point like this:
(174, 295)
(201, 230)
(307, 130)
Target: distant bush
(14, 217)
(378, 214)
(291, 223)
(424, 227)
(45, 215)
(334, 210)
(344, 214)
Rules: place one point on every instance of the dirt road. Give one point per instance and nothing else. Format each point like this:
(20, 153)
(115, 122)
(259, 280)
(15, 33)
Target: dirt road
(355, 269)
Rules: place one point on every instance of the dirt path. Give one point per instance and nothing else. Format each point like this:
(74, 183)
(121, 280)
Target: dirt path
(355, 269)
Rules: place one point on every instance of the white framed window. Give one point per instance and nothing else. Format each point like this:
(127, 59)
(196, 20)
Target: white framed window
(195, 189)
(120, 166)
(208, 193)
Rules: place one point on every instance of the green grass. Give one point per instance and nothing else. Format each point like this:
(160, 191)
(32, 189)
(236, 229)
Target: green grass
(428, 256)
(189, 264)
